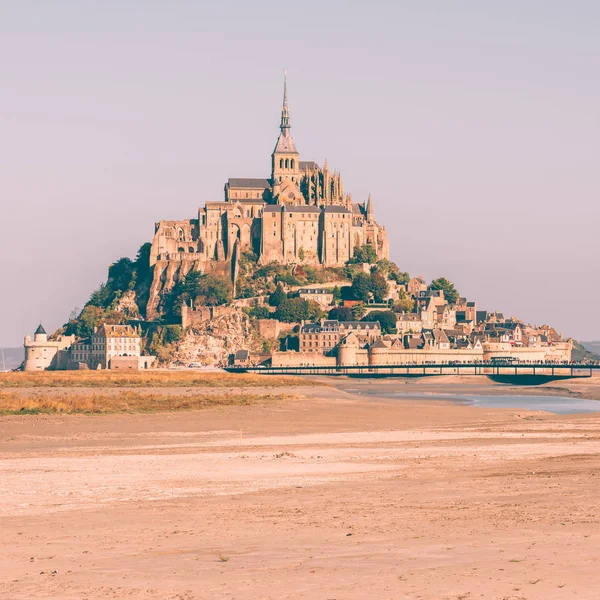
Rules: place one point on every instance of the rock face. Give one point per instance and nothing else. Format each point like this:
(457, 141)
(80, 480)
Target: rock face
(166, 273)
(212, 342)
(127, 304)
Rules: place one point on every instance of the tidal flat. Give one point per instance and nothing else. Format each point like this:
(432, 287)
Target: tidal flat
(322, 493)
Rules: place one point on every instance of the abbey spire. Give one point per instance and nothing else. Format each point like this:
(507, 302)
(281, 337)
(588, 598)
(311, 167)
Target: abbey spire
(285, 112)
(285, 163)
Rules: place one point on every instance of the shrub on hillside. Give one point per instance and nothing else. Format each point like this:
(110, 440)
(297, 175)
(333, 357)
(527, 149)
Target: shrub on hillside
(385, 318)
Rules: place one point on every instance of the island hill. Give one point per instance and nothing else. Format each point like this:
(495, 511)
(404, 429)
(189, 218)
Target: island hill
(287, 270)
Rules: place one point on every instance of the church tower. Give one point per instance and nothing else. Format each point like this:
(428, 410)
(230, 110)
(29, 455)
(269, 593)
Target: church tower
(285, 158)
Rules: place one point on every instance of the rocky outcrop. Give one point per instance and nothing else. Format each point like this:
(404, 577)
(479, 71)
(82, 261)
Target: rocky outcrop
(212, 342)
(127, 305)
(166, 273)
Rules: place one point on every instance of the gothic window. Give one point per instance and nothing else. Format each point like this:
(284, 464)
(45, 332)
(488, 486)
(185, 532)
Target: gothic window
(292, 163)
(191, 249)
(180, 249)
(287, 163)
(281, 163)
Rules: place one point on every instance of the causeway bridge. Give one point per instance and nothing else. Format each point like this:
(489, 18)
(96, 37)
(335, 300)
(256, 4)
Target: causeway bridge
(517, 373)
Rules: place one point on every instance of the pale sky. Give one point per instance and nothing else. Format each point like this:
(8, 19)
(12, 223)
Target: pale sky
(474, 125)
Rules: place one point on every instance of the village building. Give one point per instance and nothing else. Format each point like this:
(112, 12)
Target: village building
(409, 323)
(465, 311)
(415, 286)
(323, 337)
(117, 347)
(322, 296)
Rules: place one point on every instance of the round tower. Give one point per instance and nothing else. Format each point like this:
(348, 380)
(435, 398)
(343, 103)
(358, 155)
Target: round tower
(38, 352)
(346, 352)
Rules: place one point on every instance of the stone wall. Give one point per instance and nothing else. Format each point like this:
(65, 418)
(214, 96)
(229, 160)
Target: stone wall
(271, 329)
(299, 359)
(123, 363)
(393, 356)
(268, 328)
(560, 352)
(191, 317)
(131, 363)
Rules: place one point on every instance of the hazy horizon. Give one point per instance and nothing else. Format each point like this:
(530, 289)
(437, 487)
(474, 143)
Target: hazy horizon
(476, 132)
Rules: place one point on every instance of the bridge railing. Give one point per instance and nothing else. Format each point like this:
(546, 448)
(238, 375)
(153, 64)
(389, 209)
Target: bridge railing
(480, 368)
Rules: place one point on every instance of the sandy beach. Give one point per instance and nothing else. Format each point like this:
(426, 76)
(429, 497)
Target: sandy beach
(327, 495)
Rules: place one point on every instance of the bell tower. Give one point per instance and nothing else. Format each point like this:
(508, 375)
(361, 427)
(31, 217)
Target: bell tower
(285, 158)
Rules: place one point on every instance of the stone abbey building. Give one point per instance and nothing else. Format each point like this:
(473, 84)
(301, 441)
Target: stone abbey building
(300, 214)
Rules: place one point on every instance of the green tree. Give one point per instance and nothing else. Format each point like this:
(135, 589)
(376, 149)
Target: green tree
(337, 295)
(364, 254)
(294, 310)
(358, 310)
(391, 271)
(385, 318)
(379, 287)
(84, 325)
(341, 313)
(401, 277)
(172, 333)
(248, 260)
(278, 296)
(101, 297)
(450, 292)
(315, 312)
(260, 312)
(404, 303)
(121, 275)
(203, 290)
(214, 290)
(311, 274)
(361, 286)
(142, 262)
(351, 270)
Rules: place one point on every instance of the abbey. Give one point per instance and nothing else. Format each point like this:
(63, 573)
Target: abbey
(301, 214)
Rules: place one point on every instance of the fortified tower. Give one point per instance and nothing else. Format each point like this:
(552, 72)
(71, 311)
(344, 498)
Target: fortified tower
(41, 353)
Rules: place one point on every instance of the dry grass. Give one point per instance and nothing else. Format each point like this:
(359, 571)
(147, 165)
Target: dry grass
(126, 402)
(147, 379)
